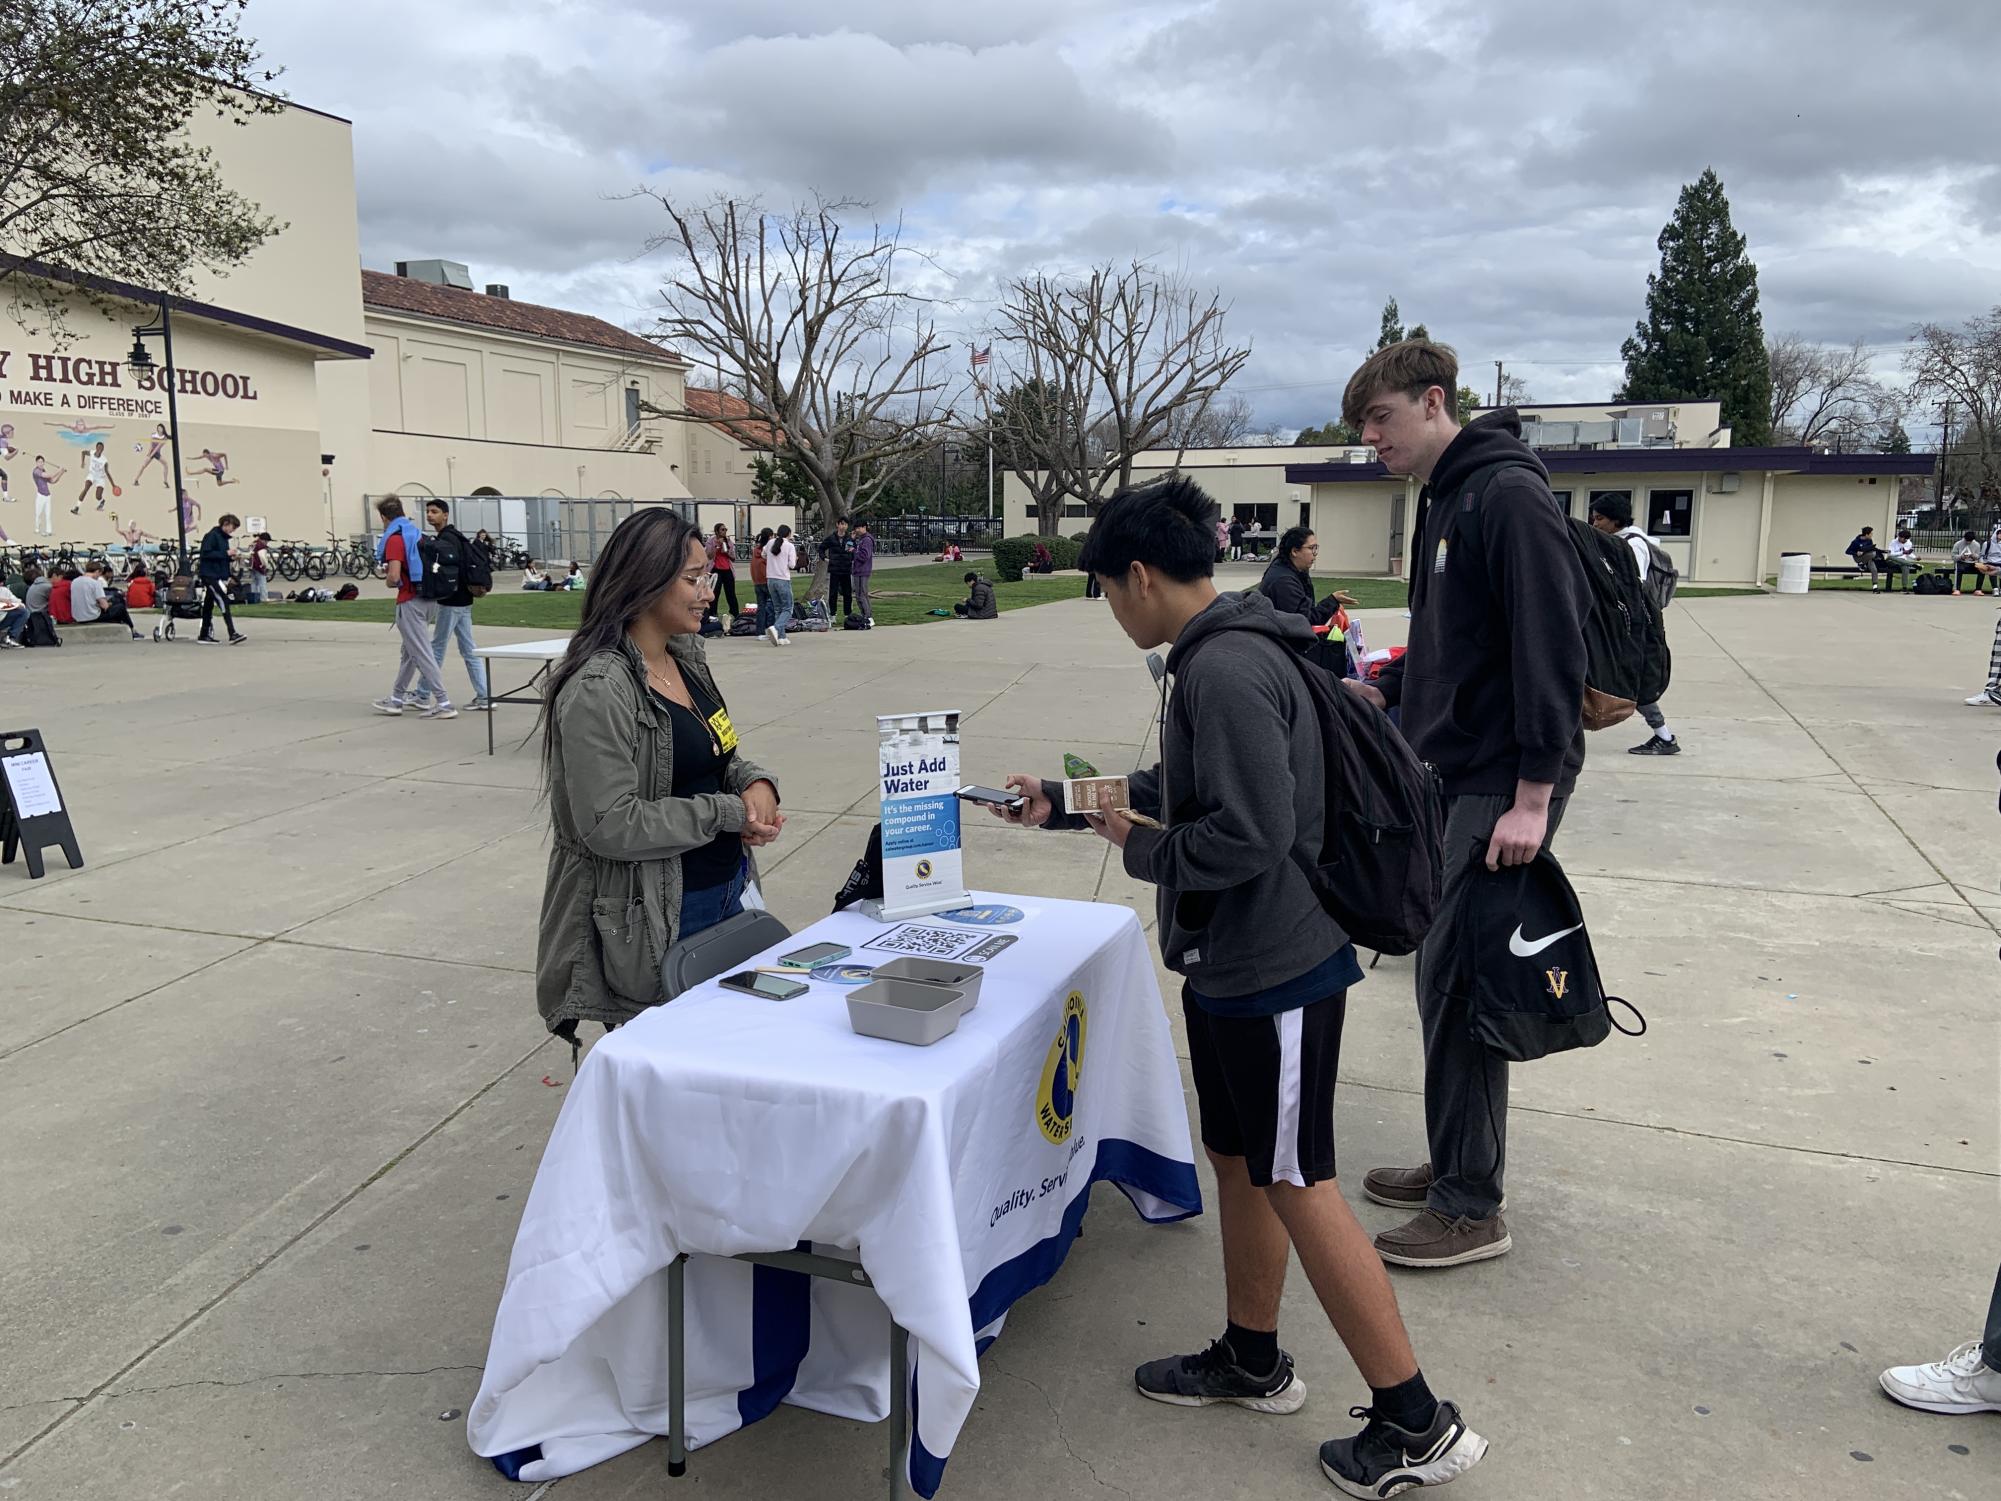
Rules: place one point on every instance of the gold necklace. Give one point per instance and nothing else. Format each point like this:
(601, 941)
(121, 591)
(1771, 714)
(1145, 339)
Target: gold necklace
(659, 681)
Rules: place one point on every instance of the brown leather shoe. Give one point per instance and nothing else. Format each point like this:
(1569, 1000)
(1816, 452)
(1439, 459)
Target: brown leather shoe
(1403, 1187)
(1431, 1239)
(1398, 1187)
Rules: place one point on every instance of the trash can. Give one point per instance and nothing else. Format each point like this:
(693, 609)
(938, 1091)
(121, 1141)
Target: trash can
(1795, 572)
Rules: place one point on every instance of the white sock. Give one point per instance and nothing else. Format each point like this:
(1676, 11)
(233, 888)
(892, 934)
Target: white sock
(1664, 733)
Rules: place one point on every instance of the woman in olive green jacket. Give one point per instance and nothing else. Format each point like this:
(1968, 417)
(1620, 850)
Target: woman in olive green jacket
(653, 808)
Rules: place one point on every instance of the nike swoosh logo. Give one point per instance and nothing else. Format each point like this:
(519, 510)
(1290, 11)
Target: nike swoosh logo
(1522, 948)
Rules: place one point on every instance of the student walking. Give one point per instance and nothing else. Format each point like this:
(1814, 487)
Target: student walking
(398, 551)
(1491, 695)
(722, 562)
(212, 567)
(780, 558)
(1967, 1381)
(1613, 514)
(863, 567)
(837, 550)
(759, 579)
(1242, 788)
(454, 622)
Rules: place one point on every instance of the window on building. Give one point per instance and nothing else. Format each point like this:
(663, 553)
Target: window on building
(1563, 499)
(1669, 513)
(1074, 509)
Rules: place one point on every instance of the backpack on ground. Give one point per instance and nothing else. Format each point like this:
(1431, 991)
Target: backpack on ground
(711, 626)
(1525, 960)
(444, 560)
(744, 625)
(1662, 576)
(476, 566)
(854, 623)
(1381, 869)
(347, 591)
(1931, 583)
(40, 630)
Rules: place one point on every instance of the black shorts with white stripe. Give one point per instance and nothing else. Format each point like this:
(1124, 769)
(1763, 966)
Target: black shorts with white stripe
(1264, 1087)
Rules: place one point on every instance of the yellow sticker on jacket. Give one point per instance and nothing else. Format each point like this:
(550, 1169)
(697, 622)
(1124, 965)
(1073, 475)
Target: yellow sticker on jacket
(1438, 563)
(723, 730)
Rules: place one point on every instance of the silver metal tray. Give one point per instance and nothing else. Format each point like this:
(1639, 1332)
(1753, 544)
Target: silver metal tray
(905, 1011)
(960, 977)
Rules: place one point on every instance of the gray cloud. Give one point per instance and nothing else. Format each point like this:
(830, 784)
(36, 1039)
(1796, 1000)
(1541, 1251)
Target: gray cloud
(1502, 171)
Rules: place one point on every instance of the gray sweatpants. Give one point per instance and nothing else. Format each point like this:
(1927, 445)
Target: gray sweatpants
(1651, 713)
(1465, 1083)
(414, 620)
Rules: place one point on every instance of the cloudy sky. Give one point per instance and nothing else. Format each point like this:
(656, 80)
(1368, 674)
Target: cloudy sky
(1502, 170)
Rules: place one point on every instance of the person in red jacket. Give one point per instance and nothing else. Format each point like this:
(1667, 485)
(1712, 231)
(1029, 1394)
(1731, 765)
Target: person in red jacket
(59, 610)
(139, 592)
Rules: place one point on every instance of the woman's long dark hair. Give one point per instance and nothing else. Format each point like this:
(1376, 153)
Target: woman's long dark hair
(1294, 539)
(641, 561)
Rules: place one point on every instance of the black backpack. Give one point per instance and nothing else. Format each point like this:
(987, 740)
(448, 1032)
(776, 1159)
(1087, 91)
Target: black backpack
(40, 630)
(1931, 583)
(1625, 641)
(854, 623)
(1380, 869)
(477, 566)
(1526, 961)
(444, 564)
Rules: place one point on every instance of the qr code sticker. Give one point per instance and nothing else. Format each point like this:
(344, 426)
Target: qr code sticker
(928, 943)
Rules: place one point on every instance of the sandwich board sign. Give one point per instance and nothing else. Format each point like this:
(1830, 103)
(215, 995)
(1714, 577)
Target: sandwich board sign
(922, 870)
(32, 815)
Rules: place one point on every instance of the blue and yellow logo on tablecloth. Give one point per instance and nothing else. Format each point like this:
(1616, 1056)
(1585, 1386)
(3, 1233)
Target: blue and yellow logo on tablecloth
(1056, 1100)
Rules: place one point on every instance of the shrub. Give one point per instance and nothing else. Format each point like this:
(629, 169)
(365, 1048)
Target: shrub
(1078, 537)
(1012, 555)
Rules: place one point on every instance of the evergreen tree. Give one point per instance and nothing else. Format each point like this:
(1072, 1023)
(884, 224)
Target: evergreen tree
(1703, 335)
(1896, 440)
(1392, 329)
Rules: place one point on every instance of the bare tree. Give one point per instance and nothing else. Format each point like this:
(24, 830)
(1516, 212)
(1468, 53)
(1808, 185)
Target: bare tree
(1826, 395)
(1100, 367)
(1962, 367)
(1226, 421)
(1514, 391)
(799, 317)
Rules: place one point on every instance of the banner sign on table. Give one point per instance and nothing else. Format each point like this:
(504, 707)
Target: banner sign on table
(921, 864)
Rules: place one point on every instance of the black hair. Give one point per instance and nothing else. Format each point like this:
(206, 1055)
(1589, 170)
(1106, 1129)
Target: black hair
(1902, 533)
(764, 536)
(1169, 525)
(641, 561)
(138, 571)
(1295, 538)
(784, 532)
(970, 577)
(1970, 534)
(1617, 509)
(1867, 530)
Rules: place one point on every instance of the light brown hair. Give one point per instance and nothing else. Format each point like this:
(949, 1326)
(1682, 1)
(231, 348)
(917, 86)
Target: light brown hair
(1409, 369)
(389, 508)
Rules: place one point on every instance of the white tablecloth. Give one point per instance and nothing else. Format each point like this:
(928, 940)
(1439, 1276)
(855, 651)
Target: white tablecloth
(722, 1123)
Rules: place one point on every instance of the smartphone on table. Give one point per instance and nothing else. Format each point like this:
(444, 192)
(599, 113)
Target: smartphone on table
(769, 987)
(992, 797)
(814, 954)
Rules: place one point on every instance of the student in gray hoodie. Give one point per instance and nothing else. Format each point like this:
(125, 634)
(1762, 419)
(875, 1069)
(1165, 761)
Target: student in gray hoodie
(1241, 789)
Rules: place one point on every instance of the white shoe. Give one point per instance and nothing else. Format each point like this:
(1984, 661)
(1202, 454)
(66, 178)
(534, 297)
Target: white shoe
(771, 634)
(784, 640)
(387, 706)
(1961, 1383)
(440, 710)
(1983, 701)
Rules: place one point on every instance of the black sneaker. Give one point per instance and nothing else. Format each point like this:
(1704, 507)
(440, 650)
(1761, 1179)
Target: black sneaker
(238, 639)
(1653, 745)
(1214, 1376)
(1384, 1459)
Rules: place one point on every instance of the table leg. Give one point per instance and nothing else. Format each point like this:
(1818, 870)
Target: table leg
(677, 1368)
(899, 1410)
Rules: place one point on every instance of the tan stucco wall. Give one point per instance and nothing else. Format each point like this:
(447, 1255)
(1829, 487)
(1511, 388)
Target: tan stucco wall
(718, 467)
(1353, 525)
(1821, 514)
(457, 408)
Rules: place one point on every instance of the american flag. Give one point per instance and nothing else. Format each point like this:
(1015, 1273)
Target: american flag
(983, 356)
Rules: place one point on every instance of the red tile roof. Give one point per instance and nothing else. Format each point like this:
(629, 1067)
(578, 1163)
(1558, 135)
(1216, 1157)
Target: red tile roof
(733, 415)
(400, 294)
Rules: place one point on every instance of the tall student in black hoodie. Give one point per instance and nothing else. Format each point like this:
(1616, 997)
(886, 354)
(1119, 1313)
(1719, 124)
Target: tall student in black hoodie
(1491, 695)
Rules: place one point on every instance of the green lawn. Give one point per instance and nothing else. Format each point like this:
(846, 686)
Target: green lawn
(901, 596)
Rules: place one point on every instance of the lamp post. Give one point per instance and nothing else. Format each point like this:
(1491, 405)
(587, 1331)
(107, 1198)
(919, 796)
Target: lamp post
(141, 359)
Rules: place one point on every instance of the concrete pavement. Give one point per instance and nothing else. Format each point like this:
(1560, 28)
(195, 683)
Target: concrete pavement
(273, 1087)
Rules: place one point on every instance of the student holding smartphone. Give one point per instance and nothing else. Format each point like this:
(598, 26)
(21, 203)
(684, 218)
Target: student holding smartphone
(654, 808)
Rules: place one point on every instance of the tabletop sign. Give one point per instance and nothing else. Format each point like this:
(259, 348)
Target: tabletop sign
(32, 814)
(921, 866)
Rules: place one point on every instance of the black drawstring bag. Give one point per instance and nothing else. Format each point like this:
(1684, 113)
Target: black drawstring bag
(1535, 983)
(865, 880)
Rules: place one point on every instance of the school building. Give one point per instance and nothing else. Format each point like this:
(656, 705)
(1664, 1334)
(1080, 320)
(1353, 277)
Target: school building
(307, 385)
(1723, 514)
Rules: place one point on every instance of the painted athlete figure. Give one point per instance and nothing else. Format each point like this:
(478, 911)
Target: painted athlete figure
(215, 463)
(97, 474)
(155, 446)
